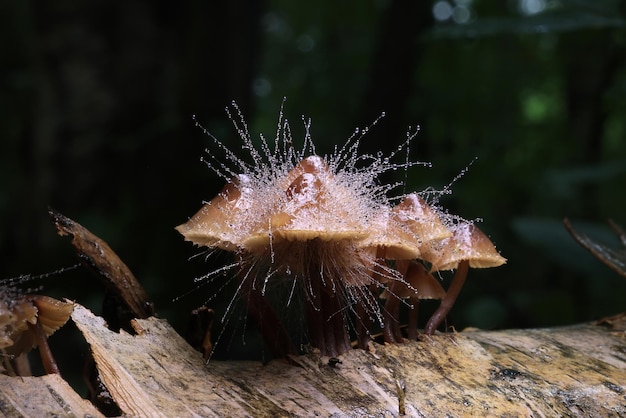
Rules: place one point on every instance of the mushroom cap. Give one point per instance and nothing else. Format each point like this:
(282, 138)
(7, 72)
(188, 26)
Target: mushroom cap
(309, 210)
(51, 313)
(468, 242)
(421, 220)
(393, 240)
(313, 164)
(214, 225)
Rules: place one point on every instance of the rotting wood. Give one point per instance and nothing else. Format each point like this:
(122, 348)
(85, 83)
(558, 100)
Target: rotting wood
(45, 396)
(575, 370)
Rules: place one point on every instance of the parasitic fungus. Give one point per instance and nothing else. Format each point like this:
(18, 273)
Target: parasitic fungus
(312, 221)
(424, 222)
(213, 224)
(468, 247)
(325, 227)
(305, 232)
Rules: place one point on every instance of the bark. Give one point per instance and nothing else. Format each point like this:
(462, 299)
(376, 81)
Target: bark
(577, 370)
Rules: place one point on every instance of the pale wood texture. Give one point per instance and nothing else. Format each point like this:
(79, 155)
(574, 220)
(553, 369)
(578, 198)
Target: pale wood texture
(578, 370)
(45, 396)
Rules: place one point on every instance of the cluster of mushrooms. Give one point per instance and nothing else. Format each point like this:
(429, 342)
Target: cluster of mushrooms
(25, 322)
(354, 256)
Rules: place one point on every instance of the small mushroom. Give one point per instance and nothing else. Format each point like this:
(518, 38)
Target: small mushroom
(415, 215)
(213, 225)
(33, 318)
(468, 247)
(218, 224)
(313, 229)
(401, 234)
(419, 285)
(387, 240)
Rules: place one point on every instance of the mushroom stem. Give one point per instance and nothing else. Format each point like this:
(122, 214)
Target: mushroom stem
(413, 315)
(329, 323)
(391, 317)
(326, 321)
(342, 339)
(315, 319)
(363, 325)
(261, 312)
(49, 365)
(448, 301)
(331, 326)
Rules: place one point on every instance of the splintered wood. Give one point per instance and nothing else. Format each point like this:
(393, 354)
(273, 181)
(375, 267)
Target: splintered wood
(577, 370)
(48, 395)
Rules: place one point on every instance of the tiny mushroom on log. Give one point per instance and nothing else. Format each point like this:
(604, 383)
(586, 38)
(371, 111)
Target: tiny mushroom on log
(388, 240)
(302, 229)
(468, 247)
(26, 321)
(421, 224)
(420, 285)
(219, 224)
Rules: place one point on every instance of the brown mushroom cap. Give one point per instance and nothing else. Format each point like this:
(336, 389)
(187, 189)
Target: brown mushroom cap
(393, 240)
(414, 214)
(308, 211)
(313, 164)
(15, 314)
(51, 313)
(212, 225)
(467, 243)
(427, 286)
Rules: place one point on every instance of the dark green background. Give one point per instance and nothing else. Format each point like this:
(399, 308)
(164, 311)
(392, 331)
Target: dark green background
(97, 98)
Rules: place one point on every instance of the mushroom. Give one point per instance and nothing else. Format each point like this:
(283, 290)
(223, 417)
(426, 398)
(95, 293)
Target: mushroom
(419, 285)
(410, 226)
(388, 240)
(414, 214)
(313, 240)
(306, 227)
(28, 321)
(213, 225)
(468, 247)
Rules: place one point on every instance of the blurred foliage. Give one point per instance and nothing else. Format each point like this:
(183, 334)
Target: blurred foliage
(96, 121)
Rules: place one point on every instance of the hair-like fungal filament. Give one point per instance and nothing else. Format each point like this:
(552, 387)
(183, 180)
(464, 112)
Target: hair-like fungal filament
(323, 224)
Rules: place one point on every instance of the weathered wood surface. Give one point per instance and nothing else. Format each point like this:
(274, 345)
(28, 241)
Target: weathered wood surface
(569, 371)
(45, 396)
(577, 370)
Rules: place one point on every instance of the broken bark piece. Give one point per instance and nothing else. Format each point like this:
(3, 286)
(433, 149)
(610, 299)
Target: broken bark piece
(96, 255)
